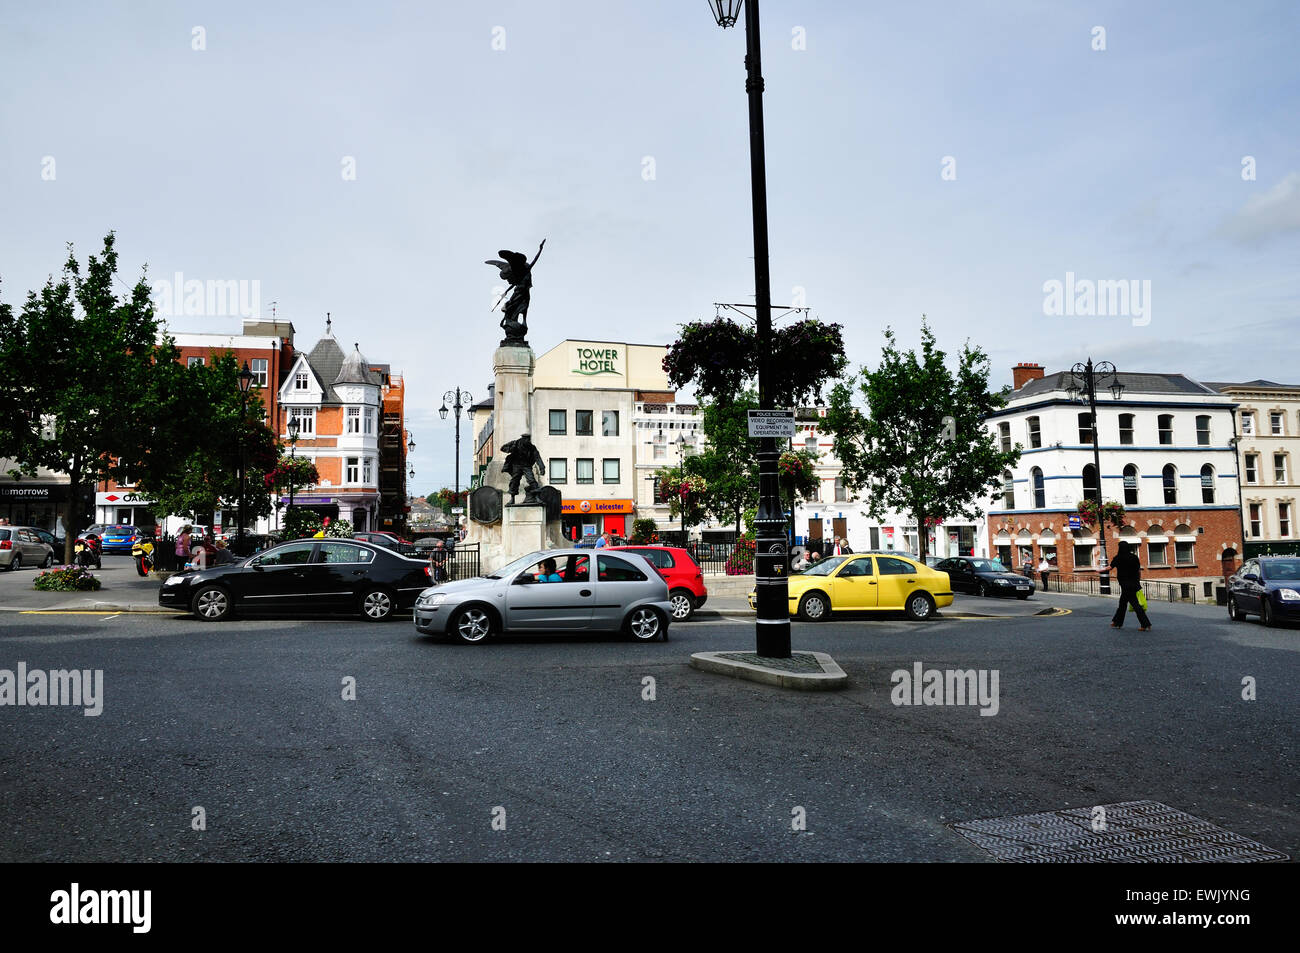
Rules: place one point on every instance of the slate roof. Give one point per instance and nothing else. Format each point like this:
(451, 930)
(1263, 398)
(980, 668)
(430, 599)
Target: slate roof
(355, 370)
(1247, 385)
(326, 360)
(1134, 383)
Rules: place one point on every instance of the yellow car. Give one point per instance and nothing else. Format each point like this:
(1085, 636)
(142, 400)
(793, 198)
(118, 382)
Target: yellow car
(865, 582)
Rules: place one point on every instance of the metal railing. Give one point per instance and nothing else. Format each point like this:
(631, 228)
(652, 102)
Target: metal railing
(1088, 584)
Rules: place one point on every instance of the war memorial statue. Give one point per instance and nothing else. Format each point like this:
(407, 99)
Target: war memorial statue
(517, 271)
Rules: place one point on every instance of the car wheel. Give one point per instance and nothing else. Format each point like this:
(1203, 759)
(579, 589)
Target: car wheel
(683, 604)
(984, 590)
(376, 605)
(49, 561)
(814, 607)
(1235, 612)
(919, 606)
(1266, 612)
(646, 624)
(211, 604)
(17, 563)
(473, 624)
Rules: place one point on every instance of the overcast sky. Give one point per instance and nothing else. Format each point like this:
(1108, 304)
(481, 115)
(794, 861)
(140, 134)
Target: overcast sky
(946, 158)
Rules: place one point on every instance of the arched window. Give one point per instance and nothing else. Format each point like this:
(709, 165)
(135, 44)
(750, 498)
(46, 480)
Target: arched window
(1091, 487)
(1169, 476)
(1207, 484)
(1040, 490)
(1130, 485)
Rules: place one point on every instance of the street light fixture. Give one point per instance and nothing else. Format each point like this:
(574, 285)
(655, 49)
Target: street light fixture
(293, 458)
(245, 382)
(681, 480)
(460, 399)
(772, 588)
(1083, 383)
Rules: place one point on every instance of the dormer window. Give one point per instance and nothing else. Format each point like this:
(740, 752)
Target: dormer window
(300, 381)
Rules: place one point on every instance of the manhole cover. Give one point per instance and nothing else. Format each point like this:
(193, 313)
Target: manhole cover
(1133, 832)
(803, 663)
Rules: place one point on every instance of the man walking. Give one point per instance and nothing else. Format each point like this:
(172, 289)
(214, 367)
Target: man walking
(1128, 573)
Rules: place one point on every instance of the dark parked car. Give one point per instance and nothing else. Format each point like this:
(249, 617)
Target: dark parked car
(985, 577)
(1266, 586)
(343, 576)
(389, 541)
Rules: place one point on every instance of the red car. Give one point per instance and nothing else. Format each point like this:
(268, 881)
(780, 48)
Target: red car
(685, 581)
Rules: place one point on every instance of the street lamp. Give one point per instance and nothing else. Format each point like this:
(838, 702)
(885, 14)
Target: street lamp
(245, 382)
(681, 481)
(772, 590)
(1083, 385)
(293, 458)
(460, 400)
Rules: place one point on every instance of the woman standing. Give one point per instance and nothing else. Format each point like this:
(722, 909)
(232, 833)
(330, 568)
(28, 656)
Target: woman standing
(1128, 573)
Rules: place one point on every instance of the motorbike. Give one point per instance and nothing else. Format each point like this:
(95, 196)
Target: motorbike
(87, 552)
(142, 553)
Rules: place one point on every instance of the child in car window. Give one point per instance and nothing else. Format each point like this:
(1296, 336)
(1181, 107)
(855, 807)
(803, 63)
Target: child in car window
(548, 573)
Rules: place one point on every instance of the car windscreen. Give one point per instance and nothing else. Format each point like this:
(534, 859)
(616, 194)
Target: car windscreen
(988, 565)
(120, 530)
(509, 569)
(824, 567)
(1281, 569)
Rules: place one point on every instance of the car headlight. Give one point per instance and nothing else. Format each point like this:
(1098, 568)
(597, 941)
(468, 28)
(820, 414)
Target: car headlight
(1288, 595)
(1002, 582)
(174, 580)
(430, 599)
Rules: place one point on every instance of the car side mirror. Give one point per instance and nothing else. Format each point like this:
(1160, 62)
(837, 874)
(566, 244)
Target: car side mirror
(1250, 577)
(523, 579)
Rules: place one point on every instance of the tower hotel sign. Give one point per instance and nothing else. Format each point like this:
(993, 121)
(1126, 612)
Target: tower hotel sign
(598, 359)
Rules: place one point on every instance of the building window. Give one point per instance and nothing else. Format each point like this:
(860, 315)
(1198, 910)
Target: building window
(559, 471)
(1040, 490)
(1130, 485)
(1184, 553)
(559, 422)
(369, 420)
(1276, 424)
(582, 424)
(1279, 468)
(1256, 520)
(258, 366)
(1247, 423)
(810, 445)
(1157, 554)
(660, 446)
(352, 474)
(1252, 468)
(1203, 430)
(1207, 484)
(610, 470)
(196, 362)
(1035, 429)
(609, 423)
(1169, 477)
(1126, 428)
(1091, 487)
(353, 422)
(1085, 428)
(586, 470)
(306, 417)
(1284, 519)
(300, 381)
(1004, 434)
(1166, 427)
(367, 473)
(1008, 490)
(841, 491)
(1083, 556)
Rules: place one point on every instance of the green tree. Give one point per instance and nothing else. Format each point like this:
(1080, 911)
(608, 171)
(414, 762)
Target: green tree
(728, 461)
(921, 446)
(78, 364)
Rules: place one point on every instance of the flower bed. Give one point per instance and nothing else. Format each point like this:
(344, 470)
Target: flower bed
(741, 562)
(67, 579)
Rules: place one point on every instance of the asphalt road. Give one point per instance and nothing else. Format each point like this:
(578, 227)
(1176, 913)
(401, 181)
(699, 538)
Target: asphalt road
(247, 721)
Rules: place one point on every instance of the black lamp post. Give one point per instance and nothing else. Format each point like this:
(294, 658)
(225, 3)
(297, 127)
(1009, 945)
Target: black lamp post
(293, 458)
(245, 382)
(681, 480)
(772, 636)
(456, 397)
(1083, 386)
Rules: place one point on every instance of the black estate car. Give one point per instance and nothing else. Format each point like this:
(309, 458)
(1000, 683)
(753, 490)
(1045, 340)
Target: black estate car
(1267, 586)
(323, 575)
(985, 577)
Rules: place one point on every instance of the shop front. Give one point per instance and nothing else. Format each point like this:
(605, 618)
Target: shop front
(357, 509)
(34, 504)
(123, 506)
(592, 517)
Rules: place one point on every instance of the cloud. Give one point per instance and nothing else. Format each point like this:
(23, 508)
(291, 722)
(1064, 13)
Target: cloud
(1276, 212)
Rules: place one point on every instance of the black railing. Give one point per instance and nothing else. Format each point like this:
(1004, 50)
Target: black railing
(1087, 584)
(459, 563)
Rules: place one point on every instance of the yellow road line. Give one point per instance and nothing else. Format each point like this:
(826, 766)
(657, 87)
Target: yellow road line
(108, 612)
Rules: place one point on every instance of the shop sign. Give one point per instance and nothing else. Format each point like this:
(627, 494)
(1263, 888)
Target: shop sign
(120, 498)
(597, 360)
(596, 506)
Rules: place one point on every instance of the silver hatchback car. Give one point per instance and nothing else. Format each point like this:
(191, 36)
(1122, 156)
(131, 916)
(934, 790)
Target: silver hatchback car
(25, 546)
(552, 590)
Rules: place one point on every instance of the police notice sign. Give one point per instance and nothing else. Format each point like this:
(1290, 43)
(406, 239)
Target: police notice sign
(771, 423)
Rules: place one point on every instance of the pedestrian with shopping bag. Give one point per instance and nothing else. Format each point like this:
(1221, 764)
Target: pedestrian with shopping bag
(1128, 573)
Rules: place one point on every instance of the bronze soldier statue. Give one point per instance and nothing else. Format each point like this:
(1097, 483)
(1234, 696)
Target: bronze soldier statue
(521, 459)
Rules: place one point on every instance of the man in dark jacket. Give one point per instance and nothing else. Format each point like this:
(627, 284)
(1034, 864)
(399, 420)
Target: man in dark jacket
(1128, 573)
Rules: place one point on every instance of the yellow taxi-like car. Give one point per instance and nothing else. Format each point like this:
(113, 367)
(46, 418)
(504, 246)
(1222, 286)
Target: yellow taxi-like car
(866, 582)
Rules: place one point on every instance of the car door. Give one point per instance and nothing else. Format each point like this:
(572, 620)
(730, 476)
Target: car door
(565, 606)
(277, 579)
(618, 584)
(338, 573)
(897, 579)
(854, 585)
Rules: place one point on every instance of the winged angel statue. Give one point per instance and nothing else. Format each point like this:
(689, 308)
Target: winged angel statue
(517, 271)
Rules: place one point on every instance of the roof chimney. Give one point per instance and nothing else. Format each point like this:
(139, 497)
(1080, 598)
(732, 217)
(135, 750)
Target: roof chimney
(1024, 372)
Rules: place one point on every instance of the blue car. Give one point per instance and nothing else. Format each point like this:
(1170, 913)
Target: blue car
(119, 538)
(1266, 586)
